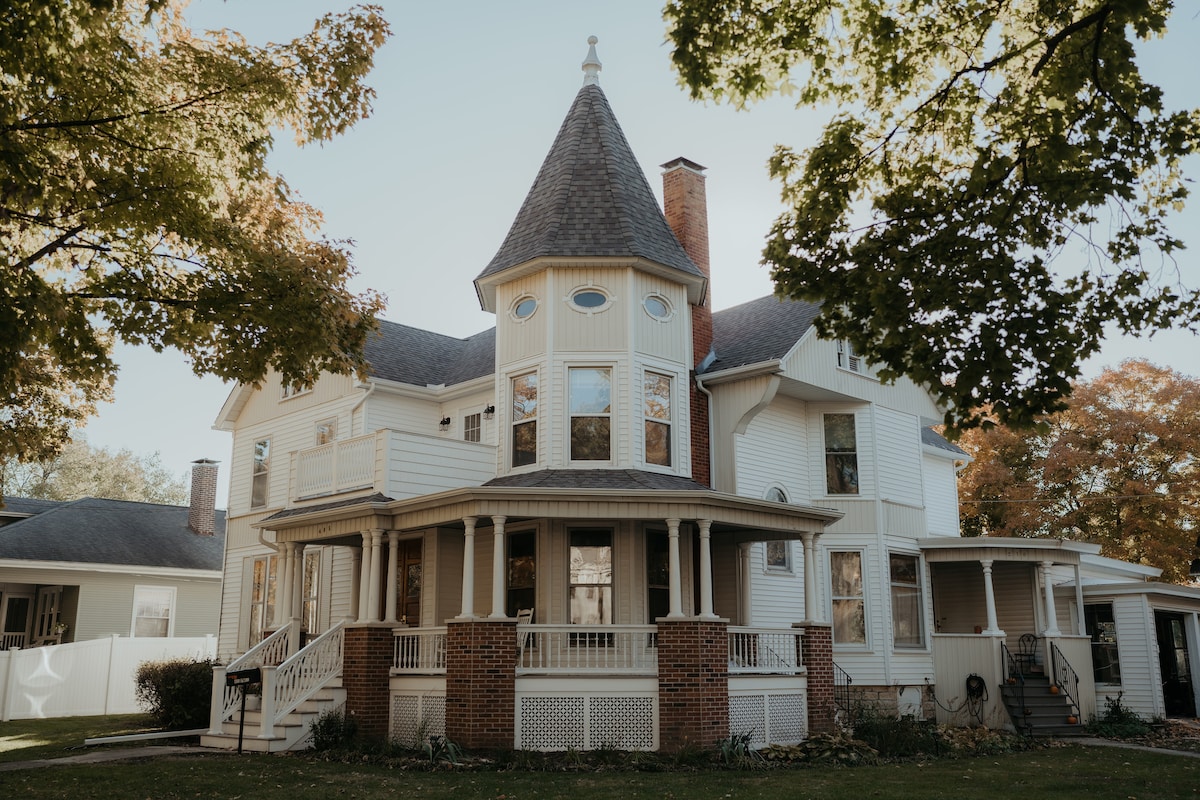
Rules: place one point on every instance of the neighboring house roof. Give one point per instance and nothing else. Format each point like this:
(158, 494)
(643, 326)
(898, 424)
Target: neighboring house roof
(760, 330)
(934, 439)
(98, 531)
(422, 358)
(26, 506)
(590, 199)
(597, 479)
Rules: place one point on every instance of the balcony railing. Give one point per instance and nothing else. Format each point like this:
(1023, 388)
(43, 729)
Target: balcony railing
(340, 466)
(761, 651)
(419, 651)
(566, 649)
(11, 640)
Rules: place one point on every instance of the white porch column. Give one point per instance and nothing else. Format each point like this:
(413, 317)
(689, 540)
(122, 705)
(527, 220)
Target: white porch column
(989, 597)
(675, 582)
(747, 605)
(1051, 614)
(364, 579)
(297, 581)
(356, 581)
(706, 580)
(468, 567)
(390, 601)
(498, 568)
(1080, 623)
(376, 575)
(283, 608)
(811, 613)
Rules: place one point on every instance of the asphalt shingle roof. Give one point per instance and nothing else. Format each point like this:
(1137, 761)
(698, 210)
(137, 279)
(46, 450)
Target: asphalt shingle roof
(423, 358)
(27, 505)
(760, 330)
(590, 198)
(98, 531)
(934, 439)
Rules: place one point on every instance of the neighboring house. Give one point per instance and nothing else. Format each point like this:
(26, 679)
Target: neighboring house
(620, 520)
(92, 568)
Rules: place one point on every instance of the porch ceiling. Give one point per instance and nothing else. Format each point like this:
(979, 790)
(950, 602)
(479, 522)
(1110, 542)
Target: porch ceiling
(740, 519)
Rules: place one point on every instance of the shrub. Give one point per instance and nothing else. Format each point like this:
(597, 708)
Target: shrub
(177, 692)
(332, 730)
(896, 737)
(1118, 721)
(824, 749)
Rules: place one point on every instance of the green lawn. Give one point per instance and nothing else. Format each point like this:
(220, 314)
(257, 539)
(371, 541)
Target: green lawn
(1097, 773)
(29, 739)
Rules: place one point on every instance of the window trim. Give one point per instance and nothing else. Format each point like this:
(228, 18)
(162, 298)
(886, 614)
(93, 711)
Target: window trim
(610, 415)
(310, 596)
(289, 391)
(1093, 641)
(919, 586)
(171, 605)
(531, 419)
(264, 474)
(609, 299)
(473, 423)
(329, 422)
(668, 422)
(263, 609)
(518, 302)
(612, 572)
(668, 306)
(826, 453)
(864, 645)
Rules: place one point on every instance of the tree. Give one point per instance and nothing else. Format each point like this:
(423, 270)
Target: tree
(81, 470)
(136, 204)
(1120, 467)
(993, 190)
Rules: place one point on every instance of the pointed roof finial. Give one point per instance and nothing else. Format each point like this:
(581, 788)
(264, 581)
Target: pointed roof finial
(591, 64)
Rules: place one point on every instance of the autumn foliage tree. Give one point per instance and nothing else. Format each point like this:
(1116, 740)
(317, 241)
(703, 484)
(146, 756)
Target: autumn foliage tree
(80, 470)
(1120, 467)
(136, 203)
(993, 190)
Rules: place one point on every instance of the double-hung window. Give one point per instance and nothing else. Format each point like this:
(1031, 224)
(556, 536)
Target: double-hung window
(849, 608)
(908, 617)
(1101, 626)
(841, 454)
(472, 426)
(591, 578)
(262, 597)
(153, 610)
(657, 413)
(524, 426)
(260, 480)
(590, 391)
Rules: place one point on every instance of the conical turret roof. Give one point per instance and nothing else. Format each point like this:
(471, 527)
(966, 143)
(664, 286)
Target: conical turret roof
(591, 199)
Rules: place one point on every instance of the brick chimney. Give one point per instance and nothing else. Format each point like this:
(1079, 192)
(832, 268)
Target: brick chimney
(686, 209)
(202, 511)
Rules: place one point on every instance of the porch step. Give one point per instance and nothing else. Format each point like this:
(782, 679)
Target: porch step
(291, 733)
(1038, 710)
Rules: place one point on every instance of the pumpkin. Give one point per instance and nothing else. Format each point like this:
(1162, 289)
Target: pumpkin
(1053, 690)
(1072, 720)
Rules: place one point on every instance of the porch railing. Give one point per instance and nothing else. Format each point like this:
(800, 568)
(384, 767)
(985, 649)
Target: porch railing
(301, 676)
(419, 651)
(841, 691)
(10, 640)
(1015, 675)
(564, 649)
(1065, 675)
(270, 651)
(760, 651)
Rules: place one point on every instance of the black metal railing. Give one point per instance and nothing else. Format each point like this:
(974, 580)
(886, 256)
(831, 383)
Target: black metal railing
(1015, 676)
(1065, 675)
(841, 691)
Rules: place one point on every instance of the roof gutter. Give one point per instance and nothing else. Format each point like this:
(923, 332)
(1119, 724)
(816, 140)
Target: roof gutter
(772, 367)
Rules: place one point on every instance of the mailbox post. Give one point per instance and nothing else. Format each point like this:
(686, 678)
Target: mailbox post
(243, 678)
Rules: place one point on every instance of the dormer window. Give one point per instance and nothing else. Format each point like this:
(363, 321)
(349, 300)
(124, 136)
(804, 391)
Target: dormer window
(591, 413)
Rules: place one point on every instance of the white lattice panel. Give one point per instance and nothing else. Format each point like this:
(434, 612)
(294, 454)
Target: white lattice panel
(748, 714)
(415, 717)
(587, 722)
(769, 717)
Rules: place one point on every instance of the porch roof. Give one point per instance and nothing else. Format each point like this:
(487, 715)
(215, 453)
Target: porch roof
(999, 548)
(734, 518)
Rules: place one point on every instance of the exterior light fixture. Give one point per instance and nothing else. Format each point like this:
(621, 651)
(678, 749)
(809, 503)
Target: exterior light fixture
(489, 411)
(444, 424)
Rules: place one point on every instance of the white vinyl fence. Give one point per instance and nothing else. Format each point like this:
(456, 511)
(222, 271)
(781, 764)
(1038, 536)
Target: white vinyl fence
(85, 678)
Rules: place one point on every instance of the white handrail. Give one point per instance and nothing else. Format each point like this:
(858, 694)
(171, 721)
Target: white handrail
(269, 651)
(764, 651)
(626, 649)
(300, 677)
(419, 651)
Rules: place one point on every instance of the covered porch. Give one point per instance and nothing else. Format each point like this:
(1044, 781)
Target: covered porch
(1003, 632)
(557, 618)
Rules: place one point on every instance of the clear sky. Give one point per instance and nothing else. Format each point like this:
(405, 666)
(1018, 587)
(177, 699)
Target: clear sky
(470, 97)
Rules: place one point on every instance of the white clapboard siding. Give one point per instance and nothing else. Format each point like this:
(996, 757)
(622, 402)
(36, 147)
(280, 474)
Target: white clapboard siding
(898, 449)
(941, 497)
(774, 452)
(420, 464)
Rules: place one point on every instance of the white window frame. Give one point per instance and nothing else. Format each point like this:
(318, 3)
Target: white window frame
(325, 431)
(861, 598)
(519, 421)
(649, 419)
(777, 494)
(589, 287)
(919, 587)
(260, 475)
(289, 390)
(826, 453)
(473, 424)
(135, 616)
(610, 415)
(310, 593)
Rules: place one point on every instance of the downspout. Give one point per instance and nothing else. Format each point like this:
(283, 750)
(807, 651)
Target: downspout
(370, 389)
(699, 381)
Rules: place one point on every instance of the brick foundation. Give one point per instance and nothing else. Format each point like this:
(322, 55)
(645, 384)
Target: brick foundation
(693, 683)
(366, 663)
(481, 681)
(816, 651)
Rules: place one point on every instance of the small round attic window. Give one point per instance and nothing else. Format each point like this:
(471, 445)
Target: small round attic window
(524, 307)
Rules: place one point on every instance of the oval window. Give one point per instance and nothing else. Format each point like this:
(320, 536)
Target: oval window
(656, 307)
(589, 298)
(525, 307)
